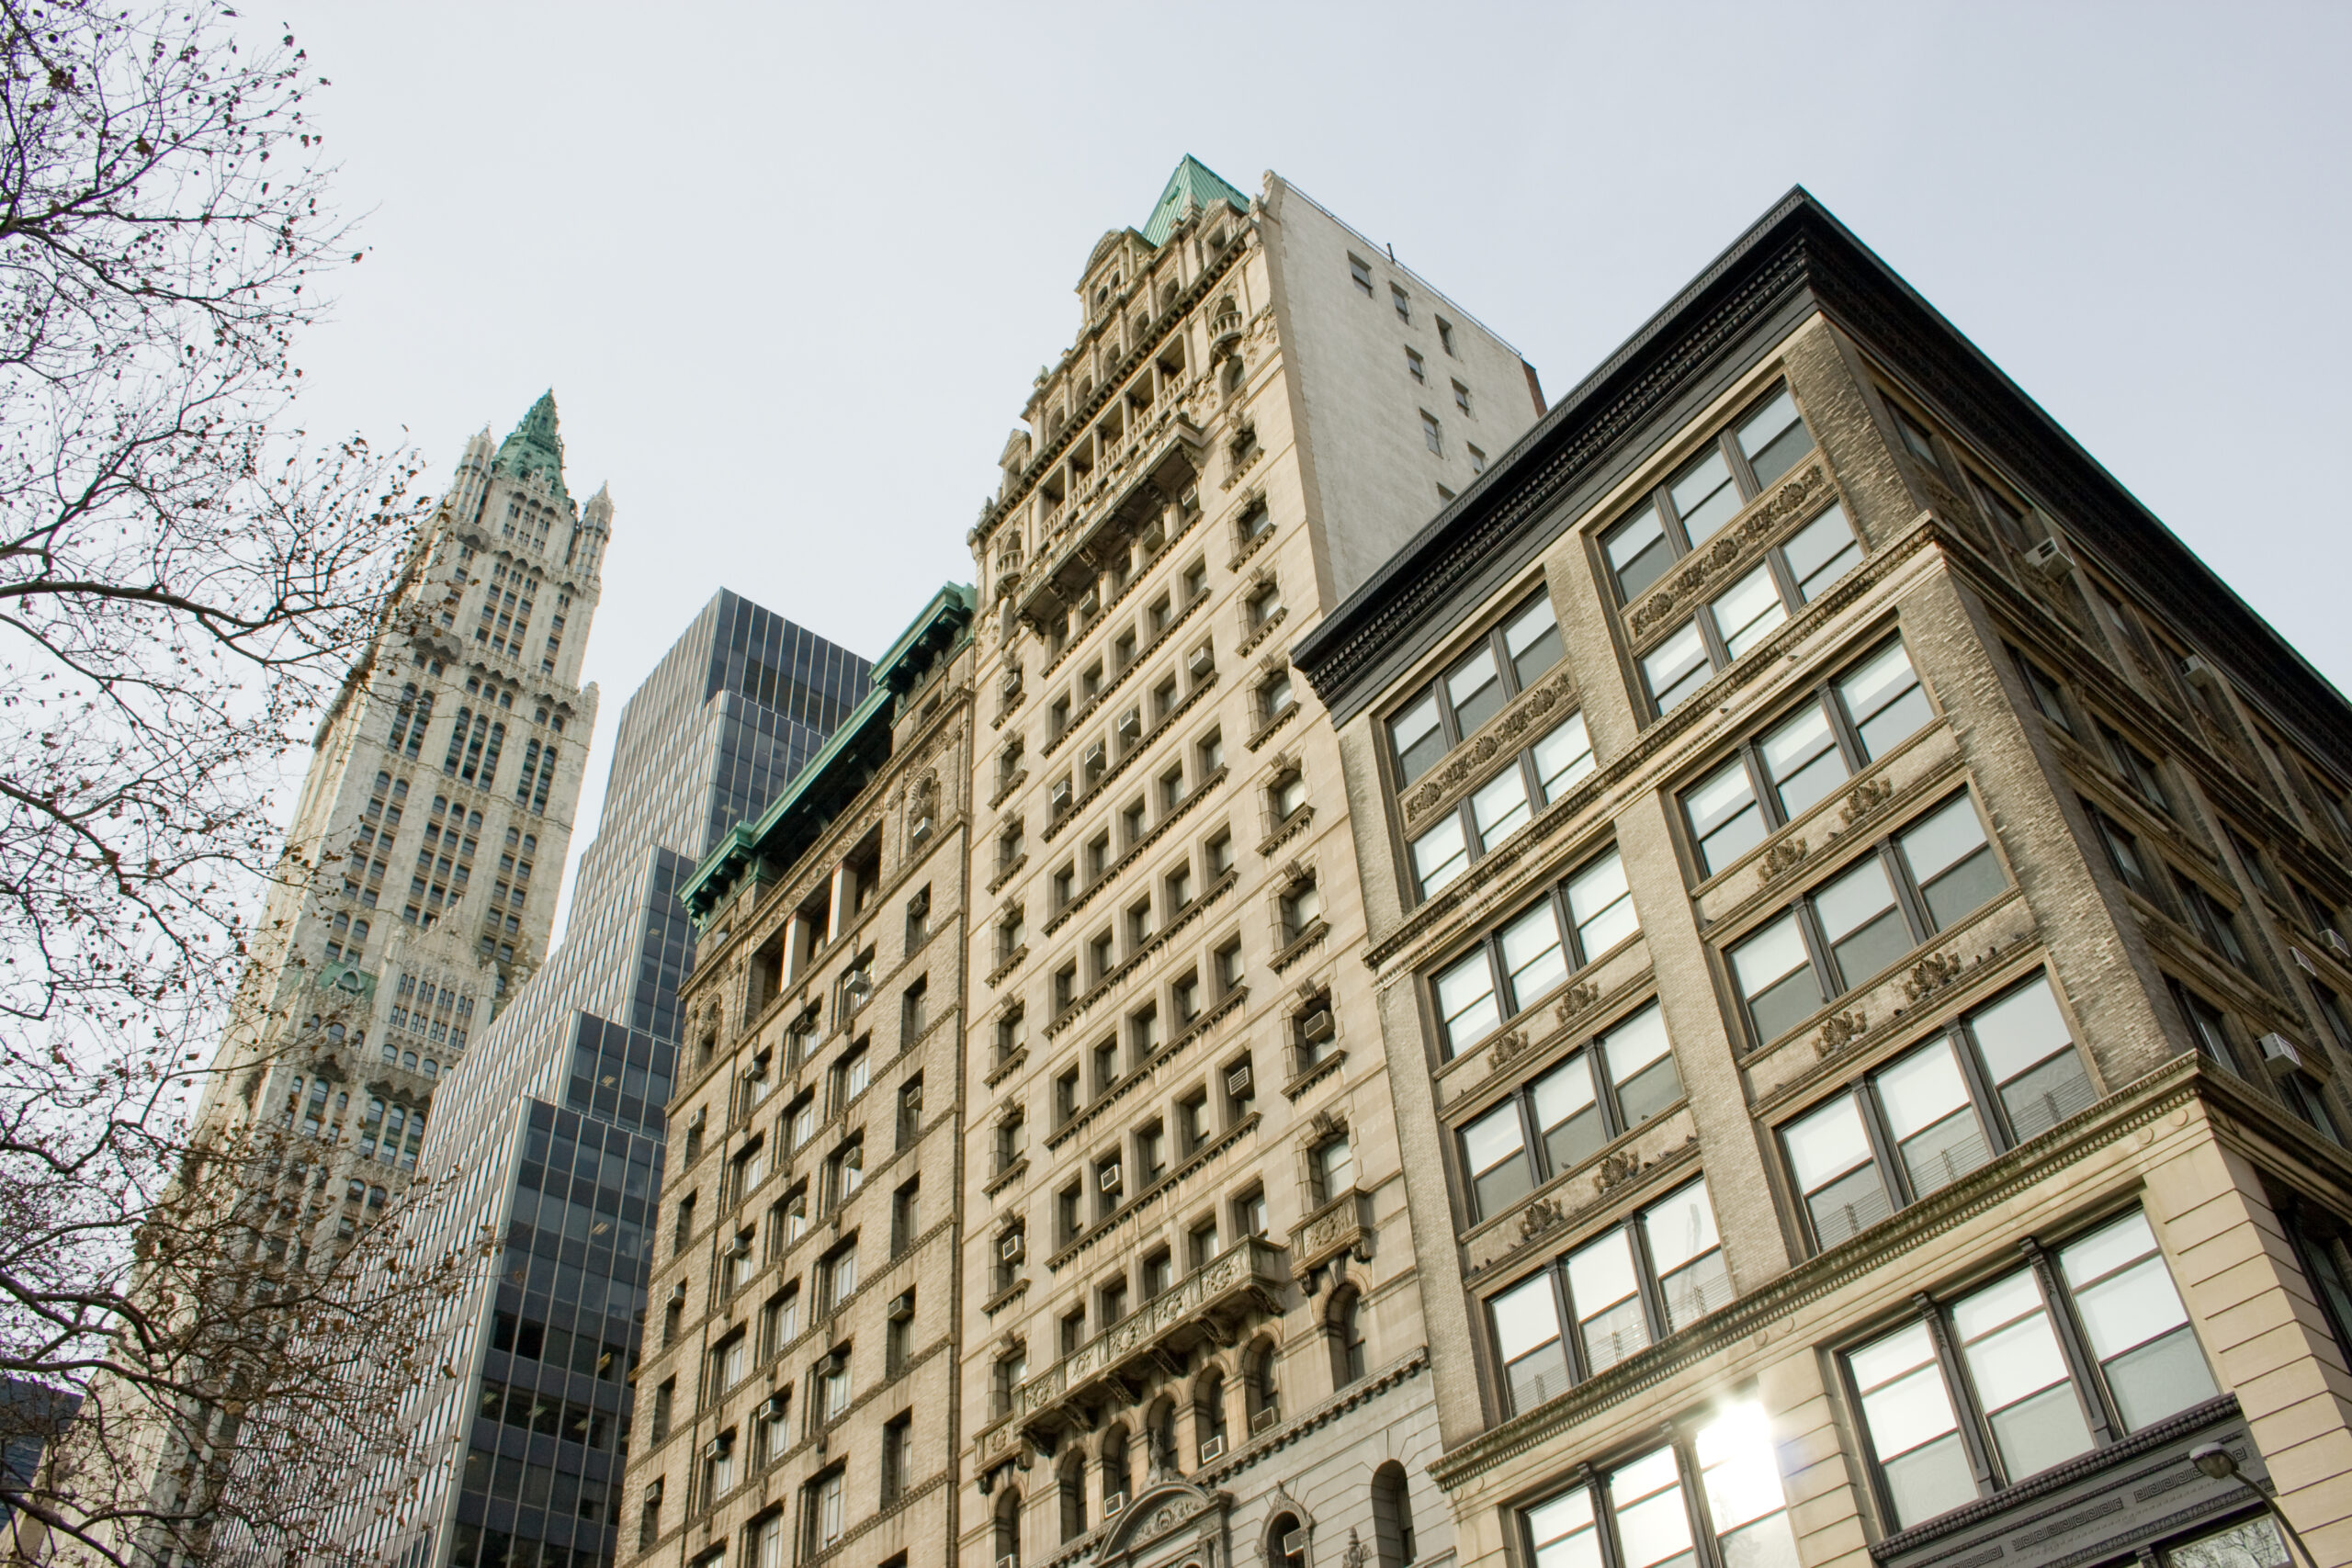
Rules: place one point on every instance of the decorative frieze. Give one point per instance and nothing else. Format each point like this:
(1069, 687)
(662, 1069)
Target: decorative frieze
(1507, 731)
(1792, 501)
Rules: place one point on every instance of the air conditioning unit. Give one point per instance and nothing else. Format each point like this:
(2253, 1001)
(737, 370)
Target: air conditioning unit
(2050, 561)
(1265, 1420)
(2302, 962)
(1318, 1027)
(1112, 1502)
(1059, 796)
(1011, 1246)
(1294, 1543)
(1095, 757)
(1112, 1177)
(1213, 1448)
(1202, 662)
(717, 1447)
(1130, 725)
(777, 1406)
(1010, 1560)
(2281, 1055)
(2336, 943)
(741, 1247)
(678, 1294)
(1091, 602)
(1237, 1082)
(2196, 672)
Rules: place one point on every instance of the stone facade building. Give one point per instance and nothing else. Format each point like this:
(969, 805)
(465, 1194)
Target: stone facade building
(1191, 1323)
(1853, 907)
(797, 1394)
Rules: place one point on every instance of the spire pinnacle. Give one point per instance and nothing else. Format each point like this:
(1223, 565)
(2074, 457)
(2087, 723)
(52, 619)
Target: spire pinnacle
(535, 448)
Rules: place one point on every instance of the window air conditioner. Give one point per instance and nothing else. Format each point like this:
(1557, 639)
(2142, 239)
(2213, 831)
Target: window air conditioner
(1237, 1082)
(2302, 962)
(1061, 796)
(1111, 1178)
(2050, 561)
(1011, 1246)
(716, 1449)
(1318, 1027)
(1090, 604)
(1213, 1448)
(1202, 662)
(2336, 943)
(2196, 672)
(1010, 1560)
(1094, 757)
(1130, 725)
(739, 1247)
(777, 1406)
(1264, 1421)
(1112, 1502)
(678, 1294)
(1294, 1543)
(2281, 1055)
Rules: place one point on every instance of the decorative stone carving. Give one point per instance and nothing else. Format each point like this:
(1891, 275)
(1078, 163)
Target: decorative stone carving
(1730, 548)
(1616, 1170)
(1867, 798)
(1781, 859)
(1507, 1049)
(1931, 975)
(1542, 1215)
(1502, 734)
(1579, 997)
(1838, 1031)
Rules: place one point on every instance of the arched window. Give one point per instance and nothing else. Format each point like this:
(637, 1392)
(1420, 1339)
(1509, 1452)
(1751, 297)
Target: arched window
(1260, 1401)
(1343, 1325)
(1160, 1433)
(1114, 1471)
(1008, 1526)
(1072, 1481)
(1208, 1417)
(1285, 1542)
(1392, 1518)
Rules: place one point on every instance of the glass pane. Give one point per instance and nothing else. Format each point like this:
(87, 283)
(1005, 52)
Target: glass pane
(1652, 1523)
(1563, 757)
(1476, 690)
(1465, 1000)
(1499, 807)
(1532, 956)
(1746, 612)
(1773, 438)
(1724, 815)
(2254, 1543)
(1418, 737)
(1527, 1336)
(1562, 1532)
(1776, 978)
(1767, 1544)
(1823, 551)
(1496, 1153)
(1441, 854)
(1909, 1409)
(1885, 700)
(1567, 1114)
(2038, 1432)
(2012, 1357)
(1608, 1303)
(1827, 1143)
(1601, 905)
(1679, 1226)
(1736, 1463)
(1935, 1124)
(2159, 1378)
(1637, 552)
(2023, 1043)
(1802, 759)
(1859, 915)
(1848, 1205)
(1704, 496)
(1641, 1059)
(1677, 667)
(1533, 641)
(1951, 861)
(1931, 1480)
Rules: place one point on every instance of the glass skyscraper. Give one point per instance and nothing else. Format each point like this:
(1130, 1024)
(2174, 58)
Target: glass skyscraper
(549, 1132)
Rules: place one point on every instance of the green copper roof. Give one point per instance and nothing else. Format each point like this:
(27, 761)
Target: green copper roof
(831, 779)
(1193, 184)
(536, 447)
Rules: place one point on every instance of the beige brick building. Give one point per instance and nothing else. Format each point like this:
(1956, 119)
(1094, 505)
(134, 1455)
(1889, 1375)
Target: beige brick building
(795, 1395)
(1853, 909)
(1191, 1325)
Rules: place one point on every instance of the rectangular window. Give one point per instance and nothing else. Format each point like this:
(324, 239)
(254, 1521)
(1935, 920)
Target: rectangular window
(1554, 1122)
(1402, 302)
(2139, 771)
(1504, 804)
(1659, 1271)
(1853, 927)
(1690, 507)
(2048, 699)
(1529, 956)
(1994, 1078)
(1509, 659)
(1359, 273)
(1743, 615)
(1414, 368)
(1461, 397)
(2036, 1391)
(2123, 852)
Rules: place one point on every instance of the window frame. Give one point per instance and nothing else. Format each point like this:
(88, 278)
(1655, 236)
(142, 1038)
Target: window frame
(1826, 697)
(1490, 942)
(1591, 1050)
(1725, 440)
(1492, 642)
(1860, 1089)
(1909, 900)
(1465, 810)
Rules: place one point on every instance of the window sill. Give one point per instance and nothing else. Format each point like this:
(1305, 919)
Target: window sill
(1296, 948)
(1006, 1068)
(1006, 1178)
(1323, 1068)
(1127, 966)
(1289, 827)
(1141, 847)
(1266, 731)
(1079, 803)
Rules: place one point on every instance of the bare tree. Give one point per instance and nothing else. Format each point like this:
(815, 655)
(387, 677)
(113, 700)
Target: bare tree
(185, 583)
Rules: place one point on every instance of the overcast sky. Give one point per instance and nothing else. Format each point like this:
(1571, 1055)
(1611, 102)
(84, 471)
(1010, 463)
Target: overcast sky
(790, 270)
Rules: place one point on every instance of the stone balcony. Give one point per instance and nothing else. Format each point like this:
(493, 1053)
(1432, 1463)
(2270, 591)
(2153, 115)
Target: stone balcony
(1090, 532)
(1208, 1305)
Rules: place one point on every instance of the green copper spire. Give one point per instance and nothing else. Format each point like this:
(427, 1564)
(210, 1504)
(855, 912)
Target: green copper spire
(536, 447)
(1193, 184)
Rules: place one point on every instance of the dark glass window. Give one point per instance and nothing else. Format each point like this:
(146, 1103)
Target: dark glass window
(1501, 806)
(1504, 662)
(1706, 492)
(1525, 958)
(1561, 1119)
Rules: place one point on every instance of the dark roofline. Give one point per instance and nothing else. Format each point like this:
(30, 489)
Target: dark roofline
(1798, 254)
